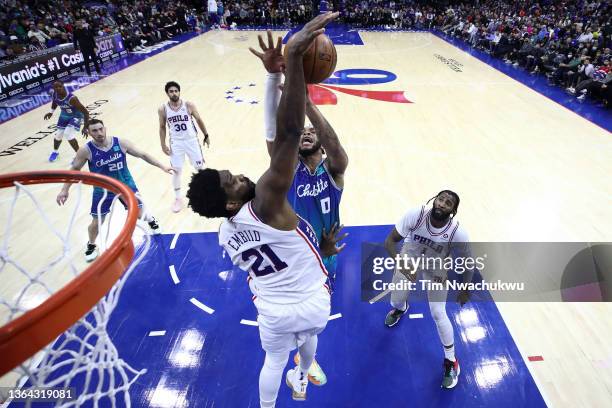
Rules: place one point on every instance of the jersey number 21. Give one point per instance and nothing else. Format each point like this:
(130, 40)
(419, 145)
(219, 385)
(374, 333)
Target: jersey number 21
(276, 264)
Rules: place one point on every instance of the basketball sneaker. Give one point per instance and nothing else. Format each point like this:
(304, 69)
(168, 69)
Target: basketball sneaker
(298, 383)
(316, 375)
(394, 316)
(53, 156)
(177, 205)
(91, 252)
(154, 226)
(451, 373)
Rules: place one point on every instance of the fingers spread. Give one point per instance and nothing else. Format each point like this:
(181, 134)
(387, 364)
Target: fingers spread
(256, 53)
(342, 237)
(261, 43)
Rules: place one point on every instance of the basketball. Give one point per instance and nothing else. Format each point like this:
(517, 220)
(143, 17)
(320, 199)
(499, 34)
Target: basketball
(319, 60)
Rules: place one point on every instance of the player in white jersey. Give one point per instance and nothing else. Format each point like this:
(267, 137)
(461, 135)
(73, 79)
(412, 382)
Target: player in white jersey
(264, 236)
(179, 115)
(431, 234)
(320, 173)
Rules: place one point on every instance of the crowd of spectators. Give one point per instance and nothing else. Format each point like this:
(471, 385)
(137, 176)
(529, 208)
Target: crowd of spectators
(258, 13)
(567, 40)
(33, 25)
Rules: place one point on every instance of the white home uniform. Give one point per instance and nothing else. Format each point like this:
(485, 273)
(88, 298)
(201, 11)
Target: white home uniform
(183, 137)
(423, 240)
(286, 275)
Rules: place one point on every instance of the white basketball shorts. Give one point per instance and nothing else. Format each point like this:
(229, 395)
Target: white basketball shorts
(283, 328)
(191, 148)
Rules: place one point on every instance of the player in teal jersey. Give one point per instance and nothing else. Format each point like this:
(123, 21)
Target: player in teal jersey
(319, 178)
(107, 156)
(70, 120)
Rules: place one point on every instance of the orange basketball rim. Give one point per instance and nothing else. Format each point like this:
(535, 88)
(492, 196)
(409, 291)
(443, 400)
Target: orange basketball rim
(22, 337)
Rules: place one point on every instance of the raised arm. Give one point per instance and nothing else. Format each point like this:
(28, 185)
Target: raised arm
(337, 160)
(129, 148)
(271, 190)
(273, 61)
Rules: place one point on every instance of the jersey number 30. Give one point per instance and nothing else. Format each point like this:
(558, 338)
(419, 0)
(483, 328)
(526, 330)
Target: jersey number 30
(180, 126)
(274, 264)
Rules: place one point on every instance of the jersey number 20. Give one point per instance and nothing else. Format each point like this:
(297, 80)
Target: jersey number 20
(115, 166)
(276, 264)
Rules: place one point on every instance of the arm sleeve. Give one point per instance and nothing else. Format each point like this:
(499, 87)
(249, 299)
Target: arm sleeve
(271, 100)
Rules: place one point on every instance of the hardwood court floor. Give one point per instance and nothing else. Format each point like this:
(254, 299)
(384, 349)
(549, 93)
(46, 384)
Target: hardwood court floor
(526, 168)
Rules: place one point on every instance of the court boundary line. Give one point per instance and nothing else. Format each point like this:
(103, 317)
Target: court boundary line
(477, 54)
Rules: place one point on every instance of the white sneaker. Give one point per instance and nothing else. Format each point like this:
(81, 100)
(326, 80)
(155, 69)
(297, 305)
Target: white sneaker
(91, 253)
(298, 383)
(154, 226)
(177, 205)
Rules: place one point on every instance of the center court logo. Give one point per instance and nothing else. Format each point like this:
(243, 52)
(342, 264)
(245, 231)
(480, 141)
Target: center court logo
(325, 92)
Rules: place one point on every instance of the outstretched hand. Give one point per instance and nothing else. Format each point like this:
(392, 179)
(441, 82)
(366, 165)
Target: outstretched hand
(301, 40)
(169, 170)
(329, 240)
(272, 55)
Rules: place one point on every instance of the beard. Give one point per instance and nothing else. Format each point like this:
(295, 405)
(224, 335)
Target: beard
(309, 152)
(174, 98)
(439, 215)
(250, 194)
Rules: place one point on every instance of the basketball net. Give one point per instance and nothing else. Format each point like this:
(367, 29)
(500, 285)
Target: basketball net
(85, 354)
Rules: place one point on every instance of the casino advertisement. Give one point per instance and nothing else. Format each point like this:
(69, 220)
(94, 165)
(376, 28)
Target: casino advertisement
(20, 76)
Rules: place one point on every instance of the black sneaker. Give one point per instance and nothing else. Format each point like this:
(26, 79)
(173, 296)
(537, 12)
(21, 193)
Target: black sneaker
(394, 316)
(154, 226)
(91, 252)
(451, 373)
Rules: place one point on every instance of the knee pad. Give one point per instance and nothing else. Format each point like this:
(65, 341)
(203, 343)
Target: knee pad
(59, 135)
(70, 133)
